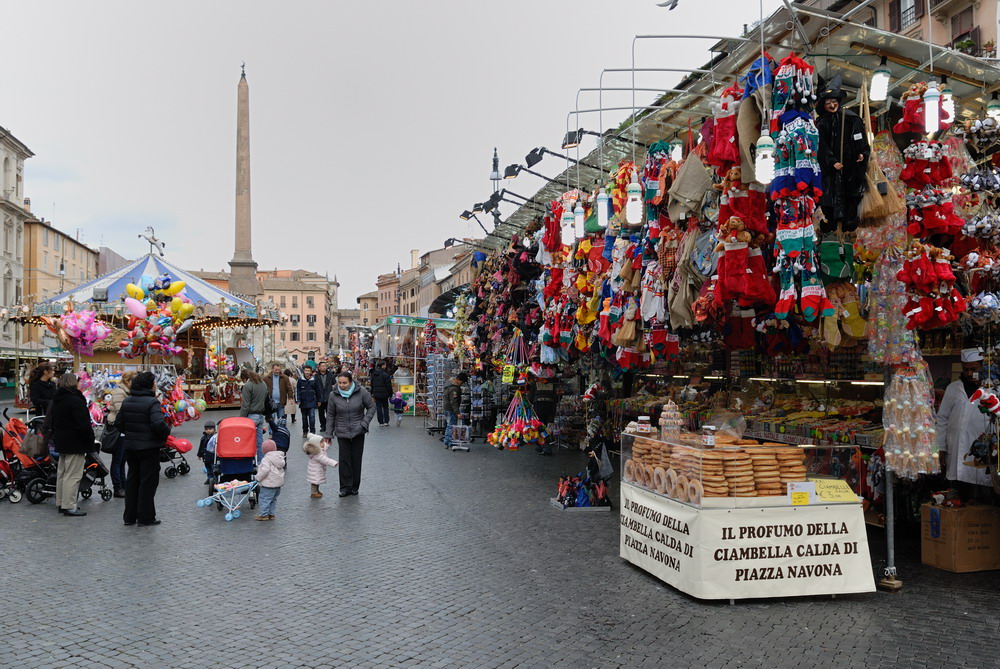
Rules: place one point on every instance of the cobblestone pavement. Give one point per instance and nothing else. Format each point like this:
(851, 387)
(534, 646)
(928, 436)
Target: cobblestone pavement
(444, 560)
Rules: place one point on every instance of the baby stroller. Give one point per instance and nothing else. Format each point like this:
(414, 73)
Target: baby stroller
(173, 452)
(8, 488)
(42, 484)
(232, 480)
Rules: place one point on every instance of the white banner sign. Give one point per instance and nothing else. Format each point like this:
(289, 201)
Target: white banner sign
(749, 552)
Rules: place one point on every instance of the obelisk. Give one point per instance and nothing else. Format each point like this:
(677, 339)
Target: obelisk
(243, 275)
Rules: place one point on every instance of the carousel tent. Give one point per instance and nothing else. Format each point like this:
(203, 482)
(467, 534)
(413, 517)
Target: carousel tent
(108, 291)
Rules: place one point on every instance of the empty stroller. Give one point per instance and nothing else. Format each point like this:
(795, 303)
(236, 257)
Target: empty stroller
(173, 452)
(232, 480)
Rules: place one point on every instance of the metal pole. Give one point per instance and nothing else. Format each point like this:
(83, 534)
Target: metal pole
(889, 581)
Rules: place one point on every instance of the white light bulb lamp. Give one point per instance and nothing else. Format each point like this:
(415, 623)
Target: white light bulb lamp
(932, 108)
(602, 208)
(764, 162)
(880, 82)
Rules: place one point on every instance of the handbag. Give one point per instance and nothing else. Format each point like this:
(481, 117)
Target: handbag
(290, 407)
(109, 440)
(34, 445)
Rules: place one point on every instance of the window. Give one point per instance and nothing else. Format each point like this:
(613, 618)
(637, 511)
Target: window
(74, 251)
(294, 319)
(56, 241)
(310, 302)
(45, 262)
(413, 292)
(8, 240)
(294, 336)
(962, 27)
(310, 336)
(271, 297)
(282, 301)
(295, 301)
(45, 237)
(311, 319)
(282, 336)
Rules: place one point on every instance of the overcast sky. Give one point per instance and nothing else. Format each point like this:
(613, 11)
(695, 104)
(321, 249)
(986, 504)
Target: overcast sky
(372, 123)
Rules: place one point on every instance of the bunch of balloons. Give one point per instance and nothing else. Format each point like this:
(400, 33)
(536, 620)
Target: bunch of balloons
(155, 323)
(84, 330)
(78, 331)
(178, 407)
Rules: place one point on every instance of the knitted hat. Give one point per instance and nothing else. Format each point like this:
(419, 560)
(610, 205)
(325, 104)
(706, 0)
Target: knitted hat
(399, 394)
(269, 446)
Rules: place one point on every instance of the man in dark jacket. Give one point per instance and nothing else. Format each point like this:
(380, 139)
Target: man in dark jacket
(73, 436)
(381, 392)
(453, 404)
(305, 390)
(325, 381)
(843, 159)
(141, 421)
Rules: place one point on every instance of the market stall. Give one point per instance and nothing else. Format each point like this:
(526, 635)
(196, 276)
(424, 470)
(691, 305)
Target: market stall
(791, 246)
(408, 341)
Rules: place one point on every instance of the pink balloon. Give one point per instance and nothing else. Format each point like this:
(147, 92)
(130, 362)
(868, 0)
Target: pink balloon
(135, 307)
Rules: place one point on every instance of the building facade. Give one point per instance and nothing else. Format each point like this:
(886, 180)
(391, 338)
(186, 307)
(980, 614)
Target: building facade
(15, 211)
(368, 308)
(56, 262)
(965, 25)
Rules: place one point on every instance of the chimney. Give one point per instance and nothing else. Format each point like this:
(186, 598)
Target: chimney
(414, 258)
(27, 204)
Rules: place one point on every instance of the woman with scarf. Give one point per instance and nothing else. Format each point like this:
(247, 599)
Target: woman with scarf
(348, 413)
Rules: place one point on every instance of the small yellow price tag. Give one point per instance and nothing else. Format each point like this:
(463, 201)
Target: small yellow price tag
(800, 498)
(508, 374)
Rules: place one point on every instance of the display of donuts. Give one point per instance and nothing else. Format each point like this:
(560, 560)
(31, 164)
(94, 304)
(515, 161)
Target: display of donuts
(689, 473)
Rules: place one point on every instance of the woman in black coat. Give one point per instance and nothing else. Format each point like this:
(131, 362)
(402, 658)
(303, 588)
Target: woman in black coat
(146, 431)
(72, 434)
(41, 388)
(348, 414)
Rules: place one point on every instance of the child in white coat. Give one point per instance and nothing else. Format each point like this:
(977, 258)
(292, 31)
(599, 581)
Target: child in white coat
(271, 476)
(318, 462)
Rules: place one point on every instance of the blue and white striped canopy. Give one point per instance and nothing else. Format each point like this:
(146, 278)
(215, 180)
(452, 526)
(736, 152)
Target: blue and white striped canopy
(197, 290)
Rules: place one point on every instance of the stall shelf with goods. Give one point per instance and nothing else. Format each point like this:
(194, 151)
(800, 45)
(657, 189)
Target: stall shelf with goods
(408, 340)
(738, 520)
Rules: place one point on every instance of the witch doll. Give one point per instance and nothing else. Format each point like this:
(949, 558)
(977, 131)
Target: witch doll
(843, 159)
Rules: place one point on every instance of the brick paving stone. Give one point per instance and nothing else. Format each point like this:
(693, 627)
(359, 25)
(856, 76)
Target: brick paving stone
(444, 560)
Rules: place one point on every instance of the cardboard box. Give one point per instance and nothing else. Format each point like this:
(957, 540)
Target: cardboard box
(960, 540)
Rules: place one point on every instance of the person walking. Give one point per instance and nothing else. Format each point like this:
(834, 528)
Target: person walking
(381, 391)
(254, 403)
(325, 382)
(349, 413)
(291, 407)
(73, 437)
(279, 387)
(453, 404)
(315, 447)
(305, 389)
(41, 388)
(146, 431)
(121, 391)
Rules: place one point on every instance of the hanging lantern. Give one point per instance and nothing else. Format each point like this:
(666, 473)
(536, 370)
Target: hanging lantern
(567, 225)
(947, 99)
(633, 205)
(578, 220)
(764, 163)
(880, 82)
(676, 150)
(932, 107)
(993, 108)
(602, 208)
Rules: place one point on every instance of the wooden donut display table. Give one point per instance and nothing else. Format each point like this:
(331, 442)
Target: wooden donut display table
(733, 543)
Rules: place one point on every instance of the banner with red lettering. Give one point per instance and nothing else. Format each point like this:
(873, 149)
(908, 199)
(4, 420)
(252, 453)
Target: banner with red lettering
(743, 553)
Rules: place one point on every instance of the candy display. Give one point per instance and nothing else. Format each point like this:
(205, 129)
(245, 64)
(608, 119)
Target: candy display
(910, 435)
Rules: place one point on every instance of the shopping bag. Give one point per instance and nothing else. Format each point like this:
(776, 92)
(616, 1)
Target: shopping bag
(109, 440)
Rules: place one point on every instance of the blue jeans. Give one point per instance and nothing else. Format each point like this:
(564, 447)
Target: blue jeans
(259, 420)
(452, 419)
(308, 419)
(118, 465)
(267, 499)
